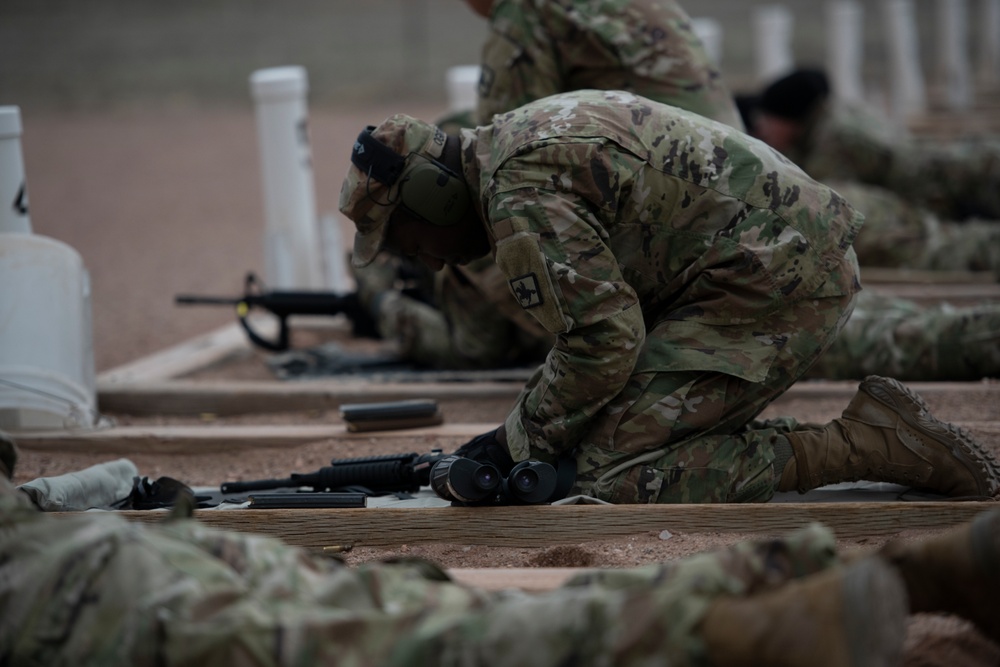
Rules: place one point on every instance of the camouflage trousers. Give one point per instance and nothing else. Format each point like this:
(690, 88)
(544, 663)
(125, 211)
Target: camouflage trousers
(690, 436)
(898, 234)
(899, 338)
(93, 589)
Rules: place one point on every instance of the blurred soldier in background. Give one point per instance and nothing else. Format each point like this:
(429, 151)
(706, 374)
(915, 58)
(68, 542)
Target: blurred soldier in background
(95, 590)
(836, 141)
(920, 200)
(540, 48)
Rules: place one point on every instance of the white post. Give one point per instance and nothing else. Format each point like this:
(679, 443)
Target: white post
(844, 47)
(14, 216)
(906, 80)
(773, 42)
(463, 87)
(953, 57)
(989, 42)
(291, 239)
(709, 31)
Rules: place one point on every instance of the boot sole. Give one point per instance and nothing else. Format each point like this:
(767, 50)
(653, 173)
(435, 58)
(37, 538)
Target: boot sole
(875, 611)
(914, 411)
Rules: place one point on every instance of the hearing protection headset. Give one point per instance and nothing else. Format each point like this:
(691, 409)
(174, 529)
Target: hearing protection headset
(428, 189)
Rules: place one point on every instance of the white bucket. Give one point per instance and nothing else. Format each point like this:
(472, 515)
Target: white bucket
(46, 336)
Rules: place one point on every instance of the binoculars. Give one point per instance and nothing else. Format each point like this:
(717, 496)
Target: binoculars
(470, 482)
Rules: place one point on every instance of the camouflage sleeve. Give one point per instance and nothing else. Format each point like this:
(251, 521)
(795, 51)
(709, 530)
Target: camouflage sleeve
(553, 252)
(519, 62)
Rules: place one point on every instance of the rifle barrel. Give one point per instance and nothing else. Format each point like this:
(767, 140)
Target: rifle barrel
(191, 299)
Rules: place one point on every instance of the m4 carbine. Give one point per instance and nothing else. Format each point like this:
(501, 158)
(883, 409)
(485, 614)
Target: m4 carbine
(391, 473)
(460, 480)
(284, 304)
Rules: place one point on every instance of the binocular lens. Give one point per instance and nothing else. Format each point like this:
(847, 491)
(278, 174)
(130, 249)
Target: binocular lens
(486, 477)
(457, 478)
(531, 482)
(525, 481)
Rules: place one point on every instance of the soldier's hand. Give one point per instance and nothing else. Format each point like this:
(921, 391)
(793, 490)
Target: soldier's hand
(489, 448)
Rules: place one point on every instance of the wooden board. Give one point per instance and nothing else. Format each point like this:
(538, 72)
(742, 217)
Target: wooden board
(186, 397)
(544, 525)
(194, 440)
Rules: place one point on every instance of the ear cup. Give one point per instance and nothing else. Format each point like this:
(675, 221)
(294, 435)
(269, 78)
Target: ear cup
(433, 192)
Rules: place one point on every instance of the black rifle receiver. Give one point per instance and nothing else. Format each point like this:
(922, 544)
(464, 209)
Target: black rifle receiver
(284, 304)
(378, 474)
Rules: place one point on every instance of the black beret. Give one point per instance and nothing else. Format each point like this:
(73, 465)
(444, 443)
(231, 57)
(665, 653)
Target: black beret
(795, 95)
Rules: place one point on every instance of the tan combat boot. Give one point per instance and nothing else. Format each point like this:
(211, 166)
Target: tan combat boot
(887, 434)
(957, 572)
(852, 616)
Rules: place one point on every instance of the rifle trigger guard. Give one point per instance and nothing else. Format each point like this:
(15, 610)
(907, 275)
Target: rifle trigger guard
(279, 345)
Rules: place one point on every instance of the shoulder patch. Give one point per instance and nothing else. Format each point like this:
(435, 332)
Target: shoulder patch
(525, 288)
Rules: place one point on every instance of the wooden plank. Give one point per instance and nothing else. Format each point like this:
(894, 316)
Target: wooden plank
(932, 294)
(194, 440)
(195, 354)
(187, 397)
(957, 282)
(534, 526)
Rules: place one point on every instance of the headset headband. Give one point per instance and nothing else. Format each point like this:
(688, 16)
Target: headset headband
(376, 159)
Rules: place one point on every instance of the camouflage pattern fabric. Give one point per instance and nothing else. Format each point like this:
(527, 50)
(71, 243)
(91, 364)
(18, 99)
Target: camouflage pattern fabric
(956, 180)
(902, 339)
(538, 48)
(898, 234)
(96, 590)
(689, 273)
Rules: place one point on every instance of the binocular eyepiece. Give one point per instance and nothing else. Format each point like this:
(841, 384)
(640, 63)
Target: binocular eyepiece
(465, 480)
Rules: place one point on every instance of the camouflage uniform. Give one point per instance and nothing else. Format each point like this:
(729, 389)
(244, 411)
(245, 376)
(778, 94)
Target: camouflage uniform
(690, 275)
(93, 589)
(898, 234)
(538, 48)
(892, 336)
(956, 181)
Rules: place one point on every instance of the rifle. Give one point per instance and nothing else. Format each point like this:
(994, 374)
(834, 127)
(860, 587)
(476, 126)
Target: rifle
(461, 480)
(389, 473)
(284, 304)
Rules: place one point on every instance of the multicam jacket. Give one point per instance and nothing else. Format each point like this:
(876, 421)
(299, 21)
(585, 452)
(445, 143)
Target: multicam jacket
(538, 48)
(646, 238)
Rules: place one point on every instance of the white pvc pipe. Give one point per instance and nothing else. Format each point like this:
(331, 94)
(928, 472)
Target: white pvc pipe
(463, 87)
(291, 238)
(844, 47)
(989, 42)
(14, 216)
(953, 57)
(709, 31)
(773, 42)
(906, 79)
